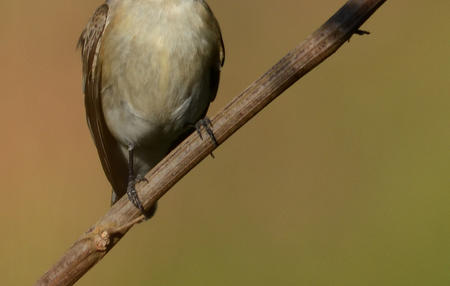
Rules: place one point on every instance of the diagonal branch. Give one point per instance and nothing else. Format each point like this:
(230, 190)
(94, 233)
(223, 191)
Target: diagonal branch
(105, 233)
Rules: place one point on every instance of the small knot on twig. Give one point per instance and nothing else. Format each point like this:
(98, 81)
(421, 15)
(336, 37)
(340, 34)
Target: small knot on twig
(361, 32)
(102, 241)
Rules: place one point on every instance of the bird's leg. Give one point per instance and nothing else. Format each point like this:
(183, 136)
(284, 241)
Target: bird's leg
(131, 189)
(206, 123)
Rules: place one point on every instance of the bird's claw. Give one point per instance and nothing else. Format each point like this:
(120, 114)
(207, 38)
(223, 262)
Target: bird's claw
(206, 123)
(133, 196)
(139, 179)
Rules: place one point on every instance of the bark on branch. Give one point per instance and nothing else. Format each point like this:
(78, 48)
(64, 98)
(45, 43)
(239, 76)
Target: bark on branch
(105, 233)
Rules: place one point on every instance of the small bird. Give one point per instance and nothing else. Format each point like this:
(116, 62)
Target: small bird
(150, 70)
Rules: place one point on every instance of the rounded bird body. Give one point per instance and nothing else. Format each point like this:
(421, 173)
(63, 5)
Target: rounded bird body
(150, 75)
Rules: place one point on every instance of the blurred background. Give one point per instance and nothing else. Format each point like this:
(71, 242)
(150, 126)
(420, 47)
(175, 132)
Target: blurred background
(343, 180)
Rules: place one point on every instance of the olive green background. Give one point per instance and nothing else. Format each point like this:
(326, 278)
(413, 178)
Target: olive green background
(343, 180)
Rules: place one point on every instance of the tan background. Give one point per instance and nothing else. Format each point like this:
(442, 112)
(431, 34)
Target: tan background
(344, 180)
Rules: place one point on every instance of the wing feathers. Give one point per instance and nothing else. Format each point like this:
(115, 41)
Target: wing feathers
(113, 163)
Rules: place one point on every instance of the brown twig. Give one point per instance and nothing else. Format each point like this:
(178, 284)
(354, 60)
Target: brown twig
(103, 235)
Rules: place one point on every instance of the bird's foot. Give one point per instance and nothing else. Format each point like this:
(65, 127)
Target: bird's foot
(133, 196)
(206, 123)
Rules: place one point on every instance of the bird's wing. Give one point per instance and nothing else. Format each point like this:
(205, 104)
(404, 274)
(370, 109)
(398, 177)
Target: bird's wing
(222, 48)
(215, 72)
(113, 163)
